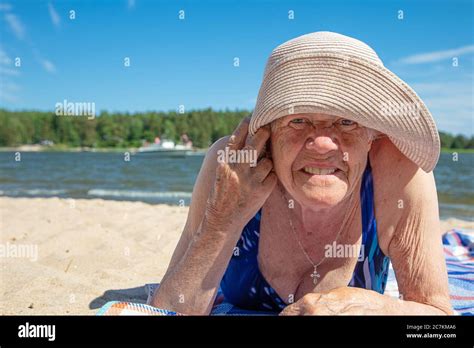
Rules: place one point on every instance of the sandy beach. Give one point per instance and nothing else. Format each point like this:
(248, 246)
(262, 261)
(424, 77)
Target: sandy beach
(70, 256)
(88, 252)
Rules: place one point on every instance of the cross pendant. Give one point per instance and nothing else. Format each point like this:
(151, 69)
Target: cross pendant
(315, 275)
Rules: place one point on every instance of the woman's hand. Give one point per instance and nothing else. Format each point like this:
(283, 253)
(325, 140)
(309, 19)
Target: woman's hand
(341, 301)
(241, 188)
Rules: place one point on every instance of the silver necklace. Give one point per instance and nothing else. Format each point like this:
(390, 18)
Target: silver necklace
(315, 275)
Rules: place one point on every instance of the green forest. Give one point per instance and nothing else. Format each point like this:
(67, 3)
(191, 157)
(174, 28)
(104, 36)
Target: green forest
(116, 130)
(122, 130)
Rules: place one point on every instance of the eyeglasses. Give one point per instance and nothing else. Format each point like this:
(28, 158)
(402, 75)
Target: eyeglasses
(342, 124)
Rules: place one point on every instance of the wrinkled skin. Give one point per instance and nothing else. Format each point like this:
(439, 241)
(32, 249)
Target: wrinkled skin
(301, 139)
(340, 301)
(240, 189)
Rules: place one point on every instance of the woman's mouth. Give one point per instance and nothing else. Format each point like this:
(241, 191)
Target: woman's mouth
(319, 171)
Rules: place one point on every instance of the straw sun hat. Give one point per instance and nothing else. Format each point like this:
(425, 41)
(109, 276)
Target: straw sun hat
(330, 73)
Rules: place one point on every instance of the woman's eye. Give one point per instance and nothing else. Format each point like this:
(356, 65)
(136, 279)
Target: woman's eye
(299, 123)
(346, 125)
(346, 122)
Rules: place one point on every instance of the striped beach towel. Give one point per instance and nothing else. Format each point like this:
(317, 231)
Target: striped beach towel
(131, 308)
(459, 253)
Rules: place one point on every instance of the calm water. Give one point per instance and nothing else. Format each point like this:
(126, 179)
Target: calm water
(154, 179)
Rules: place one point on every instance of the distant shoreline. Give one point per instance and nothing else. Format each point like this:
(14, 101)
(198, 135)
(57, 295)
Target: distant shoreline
(43, 148)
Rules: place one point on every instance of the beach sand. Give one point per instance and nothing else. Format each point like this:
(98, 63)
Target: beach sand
(89, 252)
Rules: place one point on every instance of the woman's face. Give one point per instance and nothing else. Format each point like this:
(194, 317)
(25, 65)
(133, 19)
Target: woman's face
(319, 158)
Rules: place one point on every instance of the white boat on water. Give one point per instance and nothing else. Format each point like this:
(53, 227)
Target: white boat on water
(166, 148)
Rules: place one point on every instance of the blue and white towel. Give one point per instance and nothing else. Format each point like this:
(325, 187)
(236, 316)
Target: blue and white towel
(459, 252)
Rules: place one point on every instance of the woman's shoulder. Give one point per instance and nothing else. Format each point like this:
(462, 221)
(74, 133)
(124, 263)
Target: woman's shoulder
(392, 171)
(386, 157)
(399, 187)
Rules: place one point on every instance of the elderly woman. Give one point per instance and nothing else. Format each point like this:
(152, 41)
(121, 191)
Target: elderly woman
(345, 157)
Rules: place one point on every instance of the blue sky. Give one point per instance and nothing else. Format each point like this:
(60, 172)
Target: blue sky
(190, 62)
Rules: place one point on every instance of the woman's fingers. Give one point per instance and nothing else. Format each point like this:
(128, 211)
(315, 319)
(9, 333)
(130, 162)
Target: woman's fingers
(309, 304)
(293, 309)
(259, 139)
(242, 184)
(263, 168)
(237, 139)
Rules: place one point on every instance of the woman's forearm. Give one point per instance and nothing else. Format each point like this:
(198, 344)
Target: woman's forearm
(400, 307)
(347, 300)
(191, 286)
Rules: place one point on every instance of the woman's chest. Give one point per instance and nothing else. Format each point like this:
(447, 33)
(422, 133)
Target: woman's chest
(288, 264)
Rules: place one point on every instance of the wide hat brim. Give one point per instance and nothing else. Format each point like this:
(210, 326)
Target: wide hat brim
(353, 88)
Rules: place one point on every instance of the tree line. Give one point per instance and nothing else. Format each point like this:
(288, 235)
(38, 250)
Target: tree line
(130, 130)
(116, 130)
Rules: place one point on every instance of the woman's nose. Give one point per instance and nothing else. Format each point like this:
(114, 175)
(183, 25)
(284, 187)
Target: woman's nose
(322, 143)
